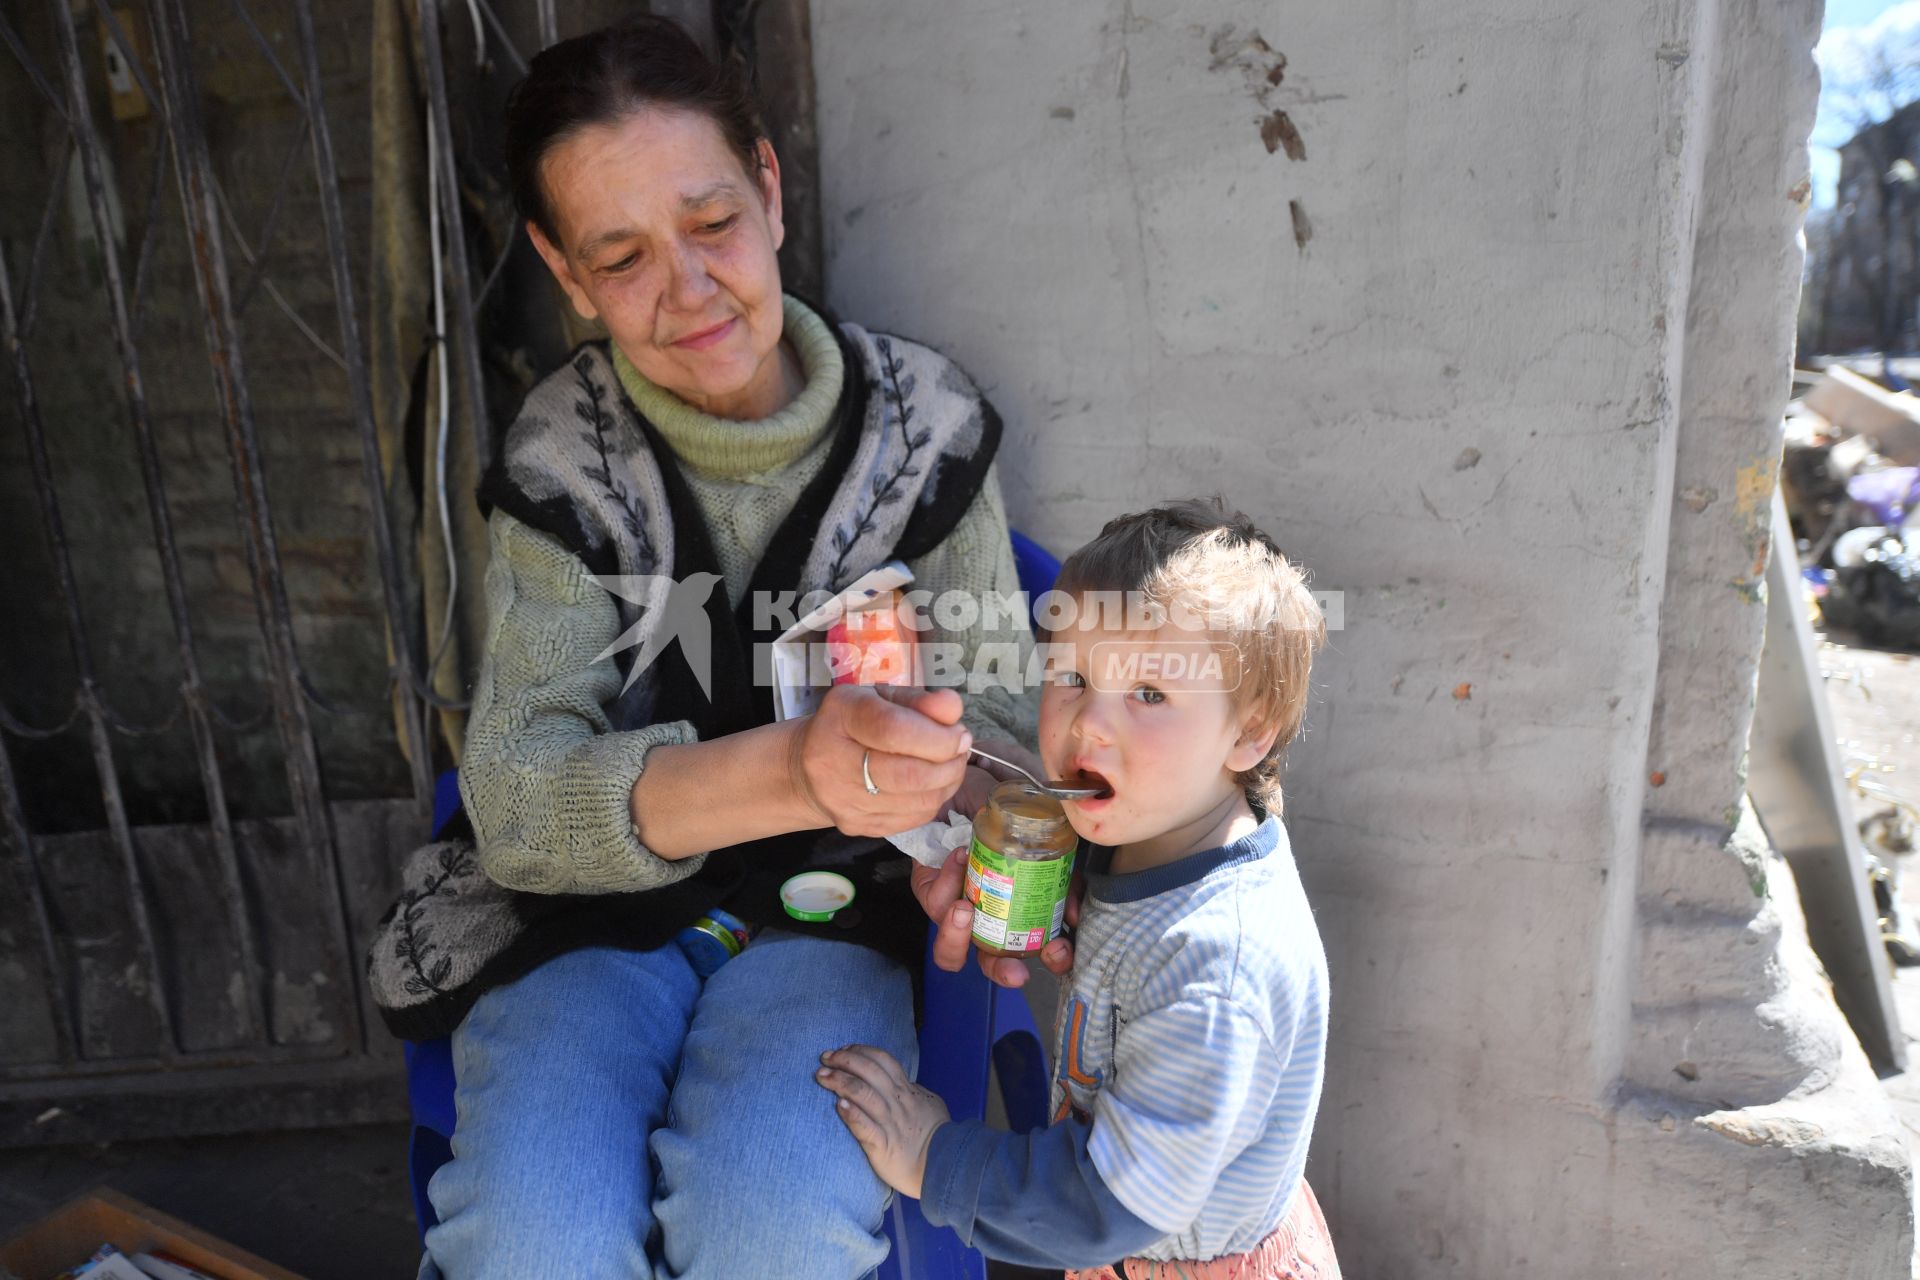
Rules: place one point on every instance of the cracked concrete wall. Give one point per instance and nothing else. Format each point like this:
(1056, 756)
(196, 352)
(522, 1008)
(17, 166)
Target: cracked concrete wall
(1485, 314)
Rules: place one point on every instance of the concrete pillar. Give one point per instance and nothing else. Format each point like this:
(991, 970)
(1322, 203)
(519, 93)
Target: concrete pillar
(1485, 314)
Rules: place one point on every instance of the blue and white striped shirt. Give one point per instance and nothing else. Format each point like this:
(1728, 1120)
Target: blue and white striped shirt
(1188, 1063)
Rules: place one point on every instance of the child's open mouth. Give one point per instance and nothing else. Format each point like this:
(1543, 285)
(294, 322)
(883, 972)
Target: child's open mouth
(1089, 778)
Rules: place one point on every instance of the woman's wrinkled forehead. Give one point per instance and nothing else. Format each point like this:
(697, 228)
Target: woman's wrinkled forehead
(653, 165)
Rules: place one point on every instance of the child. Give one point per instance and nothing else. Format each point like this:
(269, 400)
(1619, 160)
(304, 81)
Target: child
(1191, 1042)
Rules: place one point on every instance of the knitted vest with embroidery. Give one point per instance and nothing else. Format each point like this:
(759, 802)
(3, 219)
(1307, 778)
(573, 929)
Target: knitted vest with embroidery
(911, 443)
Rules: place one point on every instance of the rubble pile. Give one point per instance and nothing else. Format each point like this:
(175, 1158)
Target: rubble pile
(1850, 475)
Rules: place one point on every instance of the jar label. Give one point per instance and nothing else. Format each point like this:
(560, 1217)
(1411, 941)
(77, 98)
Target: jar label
(1018, 906)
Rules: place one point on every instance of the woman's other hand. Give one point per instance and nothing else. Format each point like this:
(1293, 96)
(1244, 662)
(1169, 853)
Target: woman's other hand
(911, 743)
(940, 892)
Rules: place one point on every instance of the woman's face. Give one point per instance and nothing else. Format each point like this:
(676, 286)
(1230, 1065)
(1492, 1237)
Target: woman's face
(667, 239)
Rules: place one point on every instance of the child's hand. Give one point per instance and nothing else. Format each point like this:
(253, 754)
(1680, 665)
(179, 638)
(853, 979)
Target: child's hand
(984, 775)
(976, 787)
(891, 1117)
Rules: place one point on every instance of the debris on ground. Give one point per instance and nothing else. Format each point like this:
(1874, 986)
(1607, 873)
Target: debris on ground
(1850, 477)
(1858, 406)
(105, 1235)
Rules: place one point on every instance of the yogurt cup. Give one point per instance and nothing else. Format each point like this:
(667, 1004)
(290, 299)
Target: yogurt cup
(816, 895)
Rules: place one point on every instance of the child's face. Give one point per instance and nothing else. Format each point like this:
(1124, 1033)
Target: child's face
(1152, 714)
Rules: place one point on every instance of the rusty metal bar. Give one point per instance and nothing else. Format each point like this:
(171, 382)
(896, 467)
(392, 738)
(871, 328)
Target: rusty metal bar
(193, 689)
(13, 819)
(271, 223)
(460, 279)
(266, 51)
(193, 172)
(127, 728)
(19, 728)
(143, 258)
(12, 40)
(32, 886)
(255, 262)
(47, 499)
(30, 291)
(241, 724)
(419, 745)
(135, 65)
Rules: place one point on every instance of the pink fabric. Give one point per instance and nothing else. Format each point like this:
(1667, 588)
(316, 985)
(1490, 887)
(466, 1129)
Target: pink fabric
(1299, 1249)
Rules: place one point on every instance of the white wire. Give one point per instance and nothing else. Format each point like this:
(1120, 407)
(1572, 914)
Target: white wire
(479, 34)
(444, 414)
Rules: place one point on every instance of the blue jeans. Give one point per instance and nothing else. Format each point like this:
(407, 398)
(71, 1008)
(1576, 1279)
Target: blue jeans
(619, 1119)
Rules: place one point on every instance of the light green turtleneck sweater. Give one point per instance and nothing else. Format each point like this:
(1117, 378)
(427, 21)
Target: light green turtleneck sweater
(544, 777)
(747, 475)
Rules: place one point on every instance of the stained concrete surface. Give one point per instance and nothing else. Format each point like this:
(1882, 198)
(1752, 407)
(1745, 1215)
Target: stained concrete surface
(1523, 417)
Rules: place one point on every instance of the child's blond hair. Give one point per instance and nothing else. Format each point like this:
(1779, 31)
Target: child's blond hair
(1198, 557)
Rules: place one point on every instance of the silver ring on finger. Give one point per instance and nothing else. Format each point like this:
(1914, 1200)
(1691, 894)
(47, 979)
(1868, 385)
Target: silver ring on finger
(866, 772)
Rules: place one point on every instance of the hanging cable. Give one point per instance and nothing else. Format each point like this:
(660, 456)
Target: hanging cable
(443, 416)
(479, 34)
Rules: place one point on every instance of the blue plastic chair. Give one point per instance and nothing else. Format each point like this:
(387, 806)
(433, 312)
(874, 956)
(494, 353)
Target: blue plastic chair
(972, 1030)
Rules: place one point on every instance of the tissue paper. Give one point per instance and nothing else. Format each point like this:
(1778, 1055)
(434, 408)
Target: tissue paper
(929, 845)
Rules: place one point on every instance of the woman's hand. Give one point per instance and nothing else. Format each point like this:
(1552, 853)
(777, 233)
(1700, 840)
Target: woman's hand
(913, 746)
(890, 1116)
(940, 892)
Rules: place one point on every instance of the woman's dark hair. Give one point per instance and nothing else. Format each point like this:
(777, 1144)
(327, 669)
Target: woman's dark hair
(605, 75)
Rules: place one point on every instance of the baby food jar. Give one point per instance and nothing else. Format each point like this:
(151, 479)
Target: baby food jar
(1018, 870)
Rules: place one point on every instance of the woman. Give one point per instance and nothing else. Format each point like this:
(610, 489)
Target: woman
(618, 1116)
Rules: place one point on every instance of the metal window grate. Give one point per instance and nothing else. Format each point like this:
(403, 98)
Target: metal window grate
(175, 962)
(353, 1053)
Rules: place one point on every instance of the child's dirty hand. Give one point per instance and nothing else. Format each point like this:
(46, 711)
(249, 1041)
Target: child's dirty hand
(891, 1117)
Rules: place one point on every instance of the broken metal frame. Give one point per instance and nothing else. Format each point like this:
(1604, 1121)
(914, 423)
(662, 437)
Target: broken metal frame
(208, 215)
(282, 1083)
(1798, 788)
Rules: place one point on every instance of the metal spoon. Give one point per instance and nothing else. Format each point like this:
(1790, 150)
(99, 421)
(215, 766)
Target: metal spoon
(1061, 790)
